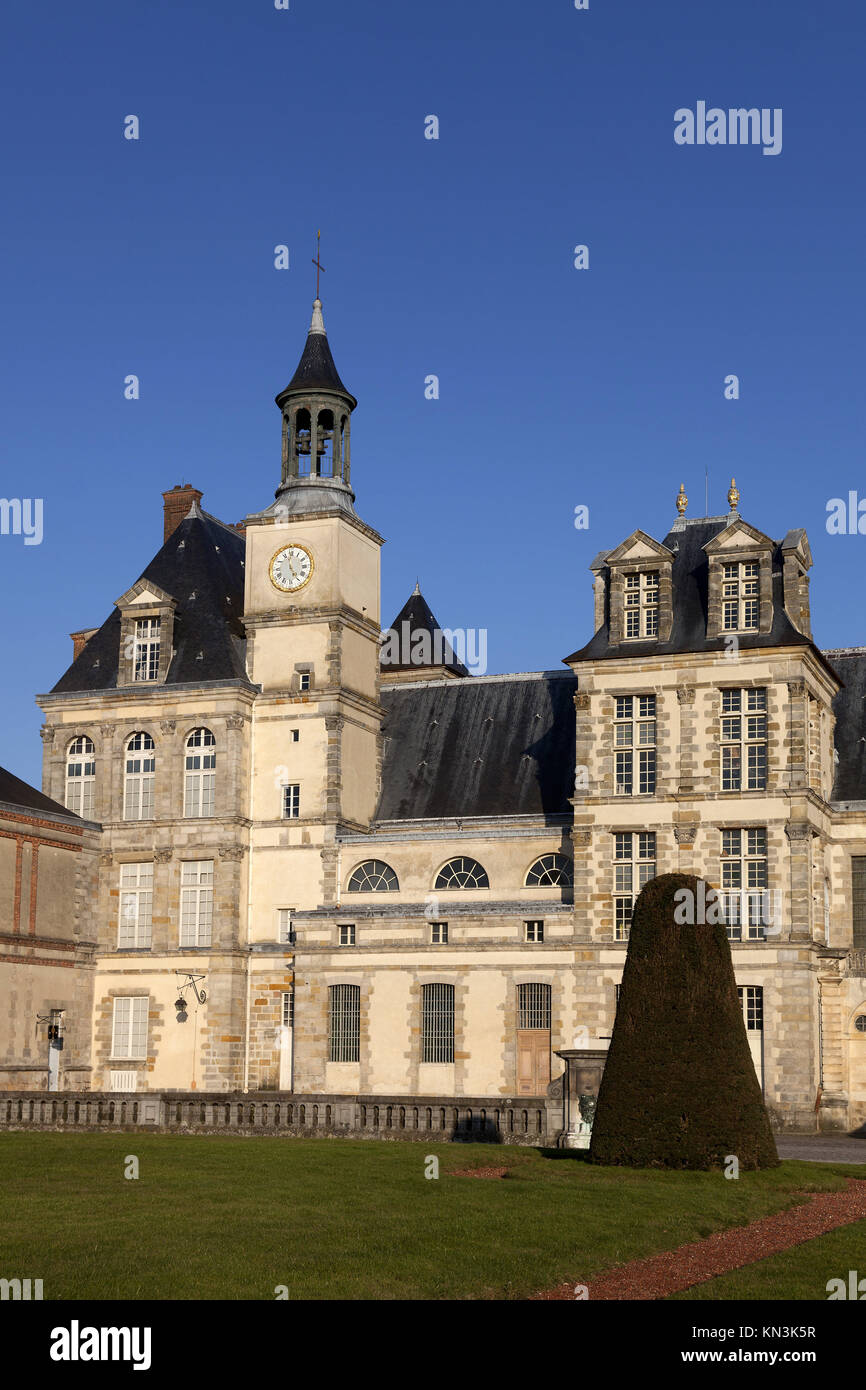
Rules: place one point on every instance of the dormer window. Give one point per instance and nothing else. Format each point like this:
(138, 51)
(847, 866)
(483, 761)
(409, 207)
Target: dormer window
(147, 645)
(740, 596)
(641, 604)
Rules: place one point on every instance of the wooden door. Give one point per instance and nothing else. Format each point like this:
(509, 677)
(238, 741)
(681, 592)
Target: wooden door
(533, 1061)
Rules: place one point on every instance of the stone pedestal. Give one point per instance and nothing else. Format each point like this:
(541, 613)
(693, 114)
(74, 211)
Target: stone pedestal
(583, 1071)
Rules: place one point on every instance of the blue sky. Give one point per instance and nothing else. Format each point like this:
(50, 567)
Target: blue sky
(558, 387)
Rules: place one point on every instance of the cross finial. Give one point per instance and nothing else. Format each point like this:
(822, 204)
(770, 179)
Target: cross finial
(317, 262)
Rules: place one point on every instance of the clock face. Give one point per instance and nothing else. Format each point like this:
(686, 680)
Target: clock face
(291, 568)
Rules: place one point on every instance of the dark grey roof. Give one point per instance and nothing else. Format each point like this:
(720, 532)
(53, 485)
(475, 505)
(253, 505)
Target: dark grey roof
(689, 578)
(316, 370)
(201, 558)
(488, 746)
(14, 792)
(849, 707)
(417, 614)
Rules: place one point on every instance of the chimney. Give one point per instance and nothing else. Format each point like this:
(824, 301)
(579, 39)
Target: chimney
(80, 640)
(177, 503)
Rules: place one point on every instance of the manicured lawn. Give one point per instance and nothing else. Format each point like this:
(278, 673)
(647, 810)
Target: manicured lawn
(234, 1218)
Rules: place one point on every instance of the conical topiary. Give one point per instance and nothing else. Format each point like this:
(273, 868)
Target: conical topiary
(679, 1088)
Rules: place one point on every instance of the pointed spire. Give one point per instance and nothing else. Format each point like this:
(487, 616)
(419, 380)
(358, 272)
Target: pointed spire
(316, 370)
(417, 589)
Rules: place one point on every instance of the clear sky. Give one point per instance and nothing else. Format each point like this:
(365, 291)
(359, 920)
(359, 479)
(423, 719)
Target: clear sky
(453, 257)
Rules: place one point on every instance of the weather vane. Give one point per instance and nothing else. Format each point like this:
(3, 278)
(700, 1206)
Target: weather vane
(317, 262)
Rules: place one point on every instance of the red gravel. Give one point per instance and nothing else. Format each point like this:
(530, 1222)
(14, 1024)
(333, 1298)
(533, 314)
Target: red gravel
(660, 1275)
(479, 1173)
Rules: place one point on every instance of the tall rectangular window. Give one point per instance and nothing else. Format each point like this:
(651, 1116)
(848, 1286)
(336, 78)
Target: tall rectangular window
(634, 854)
(752, 1003)
(292, 801)
(858, 900)
(634, 736)
(740, 597)
(641, 606)
(744, 882)
(136, 907)
(145, 665)
(285, 933)
(129, 1030)
(344, 1023)
(288, 1011)
(199, 774)
(196, 902)
(743, 738)
(437, 1023)
(139, 778)
(80, 777)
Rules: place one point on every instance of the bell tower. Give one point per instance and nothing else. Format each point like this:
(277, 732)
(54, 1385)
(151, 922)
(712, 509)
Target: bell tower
(311, 613)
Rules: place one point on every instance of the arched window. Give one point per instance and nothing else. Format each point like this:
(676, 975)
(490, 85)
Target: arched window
(462, 873)
(200, 774)
(373, 876)
(550, 871)
(80, 776)
(140, 772)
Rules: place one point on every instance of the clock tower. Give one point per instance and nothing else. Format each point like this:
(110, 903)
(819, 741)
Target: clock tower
(311, 613)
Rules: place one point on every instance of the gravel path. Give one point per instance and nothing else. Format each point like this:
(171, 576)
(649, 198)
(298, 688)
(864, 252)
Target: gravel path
(822, 1148)
(668, 1273)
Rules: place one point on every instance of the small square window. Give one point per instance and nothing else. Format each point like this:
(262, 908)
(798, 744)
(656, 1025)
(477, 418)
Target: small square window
(295, 735)
(439, 933)
(346, 935)
(534, 931)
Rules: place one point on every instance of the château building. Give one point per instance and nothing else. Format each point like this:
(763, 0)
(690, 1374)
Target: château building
(388, 876)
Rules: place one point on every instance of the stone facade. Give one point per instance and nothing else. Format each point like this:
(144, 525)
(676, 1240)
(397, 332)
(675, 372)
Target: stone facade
(302, 723)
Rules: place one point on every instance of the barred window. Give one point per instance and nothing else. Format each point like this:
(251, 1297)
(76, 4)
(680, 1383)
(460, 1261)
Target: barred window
(373, 876)
(744, 882)
(439, 933)
(196, 902)
(145, 661)
(129, 1028)
(80, 776)
(752, 1003)
(437, 1023)
(743, 737)
(642, 604)
(550, 871)
(634, 854)
(858, 901)
(533, 1006)
(136, 907)
(344, 1023)
(740, 599)
(198, 798)
(139, 778)
(462, 873)
(292, 801)
(634, 734)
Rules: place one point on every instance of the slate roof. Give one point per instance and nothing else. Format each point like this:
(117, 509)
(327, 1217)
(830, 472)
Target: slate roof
(417, 614)
(486, 746)
(689, 579)
(14, 792)
(316, 370)
(201, 567)
(849, 707)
